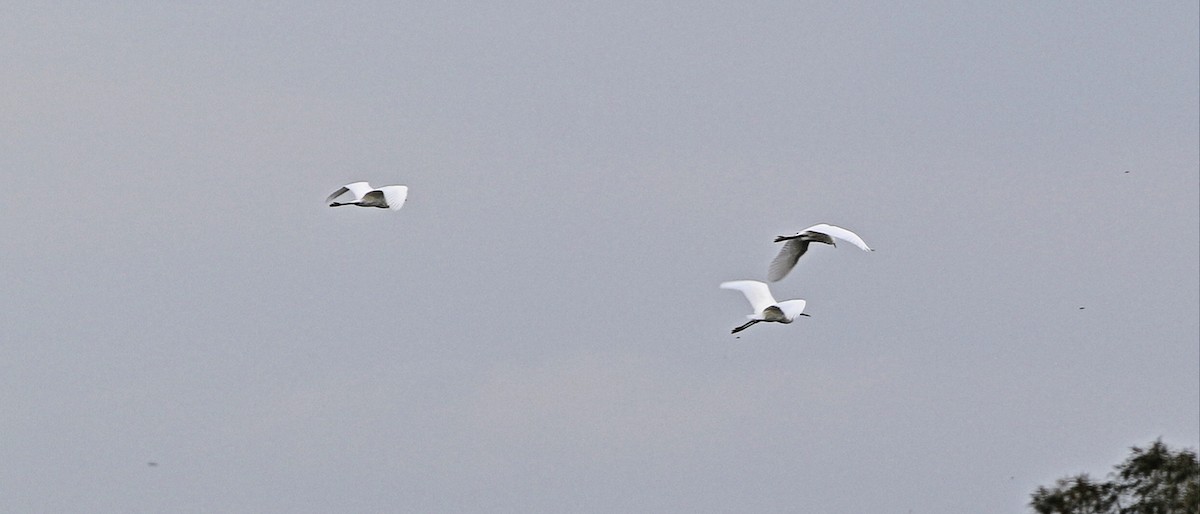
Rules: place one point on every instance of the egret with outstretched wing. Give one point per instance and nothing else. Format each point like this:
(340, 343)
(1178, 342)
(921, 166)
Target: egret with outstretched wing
(797, 244)
(764, 305)
(363, 195)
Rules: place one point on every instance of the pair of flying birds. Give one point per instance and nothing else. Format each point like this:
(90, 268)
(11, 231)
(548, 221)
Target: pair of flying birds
(759, 295)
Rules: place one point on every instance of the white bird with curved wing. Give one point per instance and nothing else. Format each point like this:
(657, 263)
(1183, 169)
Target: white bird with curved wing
(764, 305)
(363, 195)
(797, 244)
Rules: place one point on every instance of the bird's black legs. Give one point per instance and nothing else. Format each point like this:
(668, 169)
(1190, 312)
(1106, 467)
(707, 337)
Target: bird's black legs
(744, 327)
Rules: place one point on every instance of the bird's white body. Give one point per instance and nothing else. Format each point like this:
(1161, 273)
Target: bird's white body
(764, 305)
(363, 195)
(797, 244)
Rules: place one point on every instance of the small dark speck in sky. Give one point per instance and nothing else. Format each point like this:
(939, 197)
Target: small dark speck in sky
(152, 464)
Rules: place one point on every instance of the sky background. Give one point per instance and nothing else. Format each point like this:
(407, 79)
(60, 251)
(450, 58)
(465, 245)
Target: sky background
(540, 328)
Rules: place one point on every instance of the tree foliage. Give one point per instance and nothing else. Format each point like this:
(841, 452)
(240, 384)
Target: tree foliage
(1153, 480)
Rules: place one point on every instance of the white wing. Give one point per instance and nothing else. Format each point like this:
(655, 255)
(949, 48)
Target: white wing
(786, 260)
(358, 189)
(341, 191)
(792, 308)
(840, 233)
(395, 196)
(757, 293)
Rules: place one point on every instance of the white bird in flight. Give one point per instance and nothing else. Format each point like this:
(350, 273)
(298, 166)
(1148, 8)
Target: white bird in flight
(764, 305)
(363, 195)
(797, 244)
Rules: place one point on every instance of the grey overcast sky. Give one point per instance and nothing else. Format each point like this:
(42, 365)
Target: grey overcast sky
(540, 328)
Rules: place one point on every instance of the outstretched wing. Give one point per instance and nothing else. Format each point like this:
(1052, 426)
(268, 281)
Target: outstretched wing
(395, 196)
(341, 191)
(358, 189)
(786, 260)
(792, 308)
(757, 293)
(840, 233)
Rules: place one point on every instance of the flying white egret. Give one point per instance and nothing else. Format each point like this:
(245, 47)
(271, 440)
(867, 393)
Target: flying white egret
(363, 195)
(797, 244)
(764, 305)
